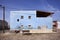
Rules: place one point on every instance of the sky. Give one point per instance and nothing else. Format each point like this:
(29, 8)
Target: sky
(43, 5)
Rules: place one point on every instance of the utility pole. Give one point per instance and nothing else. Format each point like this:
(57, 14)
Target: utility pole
(3, 24)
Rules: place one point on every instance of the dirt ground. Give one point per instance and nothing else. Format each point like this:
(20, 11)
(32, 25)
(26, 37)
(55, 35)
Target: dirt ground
(19, 36)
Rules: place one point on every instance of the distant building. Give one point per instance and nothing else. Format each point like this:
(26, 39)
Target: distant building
(26, 20)
(56, 26)
(6, 27)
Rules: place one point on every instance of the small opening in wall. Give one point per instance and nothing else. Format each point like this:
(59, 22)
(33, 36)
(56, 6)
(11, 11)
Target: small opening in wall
(29, 26)
(21, 25)
(18, 20)
(29, 17)
(22, 17)
(39, 27)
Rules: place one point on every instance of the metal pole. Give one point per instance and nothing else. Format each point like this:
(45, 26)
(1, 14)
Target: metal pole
(3, 23)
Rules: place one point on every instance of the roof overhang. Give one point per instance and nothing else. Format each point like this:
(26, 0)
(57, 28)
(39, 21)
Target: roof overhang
(43, 14)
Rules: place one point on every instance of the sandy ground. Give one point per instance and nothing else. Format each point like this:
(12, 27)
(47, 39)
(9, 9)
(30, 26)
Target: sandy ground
(19, 36)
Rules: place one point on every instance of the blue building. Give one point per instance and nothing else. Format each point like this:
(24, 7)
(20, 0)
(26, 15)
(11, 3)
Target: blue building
(27, 20)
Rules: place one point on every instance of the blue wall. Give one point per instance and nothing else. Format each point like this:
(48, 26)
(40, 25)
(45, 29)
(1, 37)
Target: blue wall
(34, 21)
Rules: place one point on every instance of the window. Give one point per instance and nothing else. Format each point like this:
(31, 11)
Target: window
(21, 17)
(18, 20)
(39, 27)
(21, 26)
(29, 26)
(29, 17)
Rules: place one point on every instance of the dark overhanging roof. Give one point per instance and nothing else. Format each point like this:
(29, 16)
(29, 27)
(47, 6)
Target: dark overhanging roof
(43, 14)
